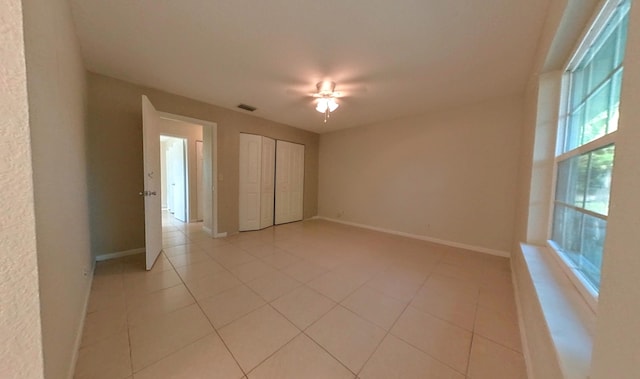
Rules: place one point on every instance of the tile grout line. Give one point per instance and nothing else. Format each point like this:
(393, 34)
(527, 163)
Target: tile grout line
(388, 331)
(126, 311)
(419, 349)
(210, 323)
(129, 327)
(303, 331)
(468, 371)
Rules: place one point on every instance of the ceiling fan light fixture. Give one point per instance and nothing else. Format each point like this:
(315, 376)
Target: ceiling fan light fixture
(323, 105)
(332, 104)
(326, 98)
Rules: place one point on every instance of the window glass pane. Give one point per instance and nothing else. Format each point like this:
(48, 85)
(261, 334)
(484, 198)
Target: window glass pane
(597, 116)
(602, 63)
(580, 238)
(558, 223)
(579, 84)
(571, 180)
(568, 233)
(574, 131)
(614, 104)
(622, 33)
(599, 185)
(592, 247)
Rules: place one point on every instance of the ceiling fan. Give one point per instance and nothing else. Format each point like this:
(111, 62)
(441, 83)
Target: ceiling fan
(326, 96)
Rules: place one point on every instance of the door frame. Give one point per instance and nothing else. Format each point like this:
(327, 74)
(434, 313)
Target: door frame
(212, 140)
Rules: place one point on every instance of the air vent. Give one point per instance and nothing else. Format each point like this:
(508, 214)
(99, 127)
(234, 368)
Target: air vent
(247, 107)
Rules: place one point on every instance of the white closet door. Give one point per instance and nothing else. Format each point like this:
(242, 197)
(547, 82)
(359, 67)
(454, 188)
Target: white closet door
(250, 181)
(297, 181)
(267, 182)
(289, 182)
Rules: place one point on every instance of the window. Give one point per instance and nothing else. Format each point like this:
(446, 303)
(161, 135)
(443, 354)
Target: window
(586, 146)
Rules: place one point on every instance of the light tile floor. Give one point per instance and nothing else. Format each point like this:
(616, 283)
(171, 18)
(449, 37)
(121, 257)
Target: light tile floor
(311, 299)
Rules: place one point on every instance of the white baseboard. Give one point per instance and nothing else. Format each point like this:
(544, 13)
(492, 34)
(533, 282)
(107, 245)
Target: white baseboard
(479, 249)
(78, 341)
(119, 254)
(210, 232)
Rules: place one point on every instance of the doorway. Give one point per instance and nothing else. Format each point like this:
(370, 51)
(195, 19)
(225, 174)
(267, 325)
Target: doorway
(200, 153)
(152, 162)
(175, 176)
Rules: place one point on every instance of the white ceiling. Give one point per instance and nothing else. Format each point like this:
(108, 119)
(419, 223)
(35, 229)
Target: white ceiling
(392, 58)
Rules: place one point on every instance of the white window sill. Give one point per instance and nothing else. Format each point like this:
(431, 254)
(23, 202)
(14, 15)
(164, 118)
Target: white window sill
(569, 319)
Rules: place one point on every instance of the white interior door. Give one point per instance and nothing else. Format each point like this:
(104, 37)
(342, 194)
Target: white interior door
(152, 182)
(250, 181)
(289, 182)
(297, 181)
(267, 186)
(199, 181)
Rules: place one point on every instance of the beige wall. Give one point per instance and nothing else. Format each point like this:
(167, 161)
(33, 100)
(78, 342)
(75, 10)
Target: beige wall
(20, 328)
(449, 175)
(191, 133)
(56, 82)
(115, 138)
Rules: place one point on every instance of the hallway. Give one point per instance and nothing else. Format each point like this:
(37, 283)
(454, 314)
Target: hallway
(312, 299)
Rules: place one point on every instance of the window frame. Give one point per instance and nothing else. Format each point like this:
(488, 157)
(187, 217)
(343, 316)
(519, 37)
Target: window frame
(597, 26)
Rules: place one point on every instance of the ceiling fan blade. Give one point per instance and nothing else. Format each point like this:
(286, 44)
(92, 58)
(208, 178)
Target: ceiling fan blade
(291, 91)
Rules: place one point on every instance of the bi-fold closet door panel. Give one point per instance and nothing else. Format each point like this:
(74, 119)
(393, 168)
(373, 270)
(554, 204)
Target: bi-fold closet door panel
(289, 181)
(257, 156)
(270, 172)
(267, 182)
(250, 172)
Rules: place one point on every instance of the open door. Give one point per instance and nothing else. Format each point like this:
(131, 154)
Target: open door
(152, 184)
